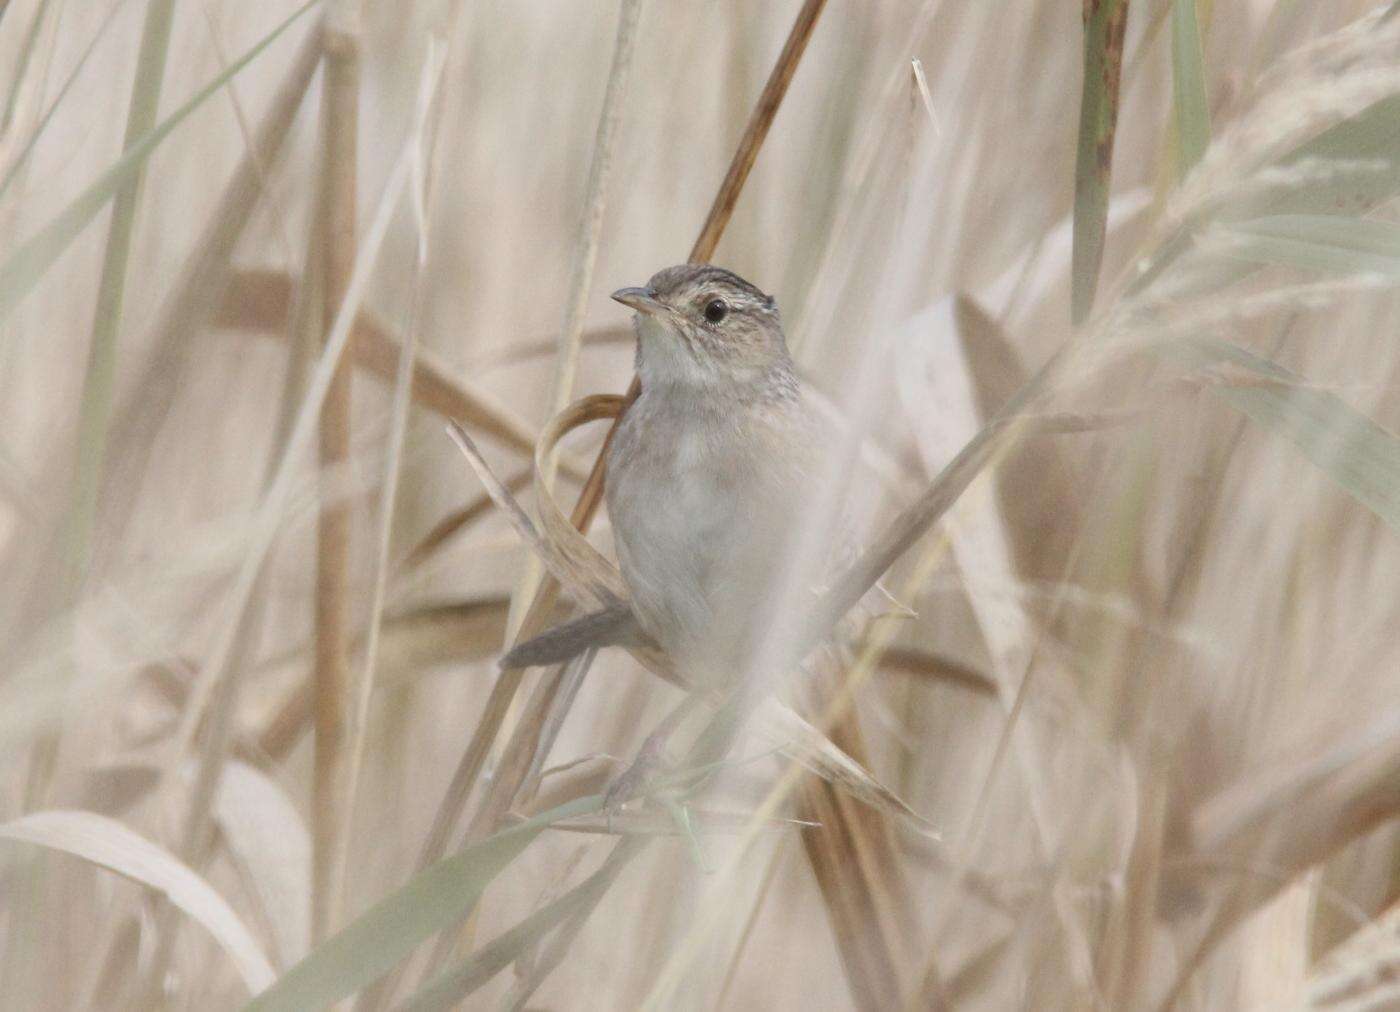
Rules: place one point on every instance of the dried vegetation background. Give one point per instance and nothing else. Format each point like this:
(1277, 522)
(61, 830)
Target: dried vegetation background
(253, 601)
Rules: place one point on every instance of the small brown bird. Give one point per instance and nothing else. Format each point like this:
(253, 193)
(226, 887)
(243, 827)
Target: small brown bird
(709, 478)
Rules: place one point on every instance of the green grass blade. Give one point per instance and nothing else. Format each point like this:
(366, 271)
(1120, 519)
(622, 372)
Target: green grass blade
(1369, 142)
(100, 378)
(1364, 149)
(1104, 22)
(26, 53)
(389, 931)
(447, 990)
(1192, 113)
(23, 156)
(27, 265)
(1321, 242)
(1354, 452)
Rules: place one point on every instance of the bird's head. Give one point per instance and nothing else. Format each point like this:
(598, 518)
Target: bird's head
(704, 326)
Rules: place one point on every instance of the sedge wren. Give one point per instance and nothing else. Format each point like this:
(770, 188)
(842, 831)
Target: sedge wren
(710, 473)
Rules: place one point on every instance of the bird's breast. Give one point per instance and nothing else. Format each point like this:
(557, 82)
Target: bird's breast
(683, 516)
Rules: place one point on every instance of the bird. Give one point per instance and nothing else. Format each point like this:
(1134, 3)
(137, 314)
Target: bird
(710, 477)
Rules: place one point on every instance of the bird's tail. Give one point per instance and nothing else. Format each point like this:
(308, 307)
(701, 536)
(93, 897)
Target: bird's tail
(614, 626)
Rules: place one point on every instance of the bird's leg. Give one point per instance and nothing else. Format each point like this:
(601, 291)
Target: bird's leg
(716, 740)
(650, 758)
(705, 755)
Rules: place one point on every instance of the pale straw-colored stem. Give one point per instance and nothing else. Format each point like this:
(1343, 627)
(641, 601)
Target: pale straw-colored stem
(331, 668)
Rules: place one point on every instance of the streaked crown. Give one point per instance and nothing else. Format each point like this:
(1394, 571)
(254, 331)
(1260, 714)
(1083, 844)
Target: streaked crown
(699, 323)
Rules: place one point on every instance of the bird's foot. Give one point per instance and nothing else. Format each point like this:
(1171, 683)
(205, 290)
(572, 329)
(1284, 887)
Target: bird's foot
(650, 762)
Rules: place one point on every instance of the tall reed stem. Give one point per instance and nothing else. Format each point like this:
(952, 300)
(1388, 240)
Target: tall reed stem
(331, 674)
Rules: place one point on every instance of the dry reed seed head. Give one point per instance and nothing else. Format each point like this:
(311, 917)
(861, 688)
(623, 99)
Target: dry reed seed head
(697, 323)
(1311, 89)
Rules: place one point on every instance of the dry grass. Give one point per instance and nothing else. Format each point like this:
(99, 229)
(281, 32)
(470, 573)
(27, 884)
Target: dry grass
(1143, 719)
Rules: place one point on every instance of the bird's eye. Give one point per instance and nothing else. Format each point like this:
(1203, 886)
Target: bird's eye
(716, 310)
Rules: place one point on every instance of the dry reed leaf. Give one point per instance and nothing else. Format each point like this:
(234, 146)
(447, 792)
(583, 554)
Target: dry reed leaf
(557, 528)
(1037, 485)
(260, 301)
(786, 730)
(113, 788)
(1361, 972)
(268, 840)
(458, 632)
(577, 569)
(109, 844)
(1349, 788)
(936, 668)
(449, 526)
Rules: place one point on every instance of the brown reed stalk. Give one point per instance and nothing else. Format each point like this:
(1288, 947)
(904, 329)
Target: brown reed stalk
(331, 672)
(855, 861)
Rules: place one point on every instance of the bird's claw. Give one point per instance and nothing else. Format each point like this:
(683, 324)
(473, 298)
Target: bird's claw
(651, 760)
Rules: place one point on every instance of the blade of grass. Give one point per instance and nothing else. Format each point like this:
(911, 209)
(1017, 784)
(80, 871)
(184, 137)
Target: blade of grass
(388, 931)
(1337, 244)
(100, 377)
(565, 915)
(13, 100)
(595, 204)
(17, 163)
(1365, 150)
(1190, 107)
(197, 292)
(100, 374)
(26, 265)
(1104, 24)
(393, 458)
(532, 739)
(268, 841)
(1358, 455)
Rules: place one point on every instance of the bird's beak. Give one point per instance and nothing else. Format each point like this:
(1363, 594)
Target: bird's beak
(643, 300)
